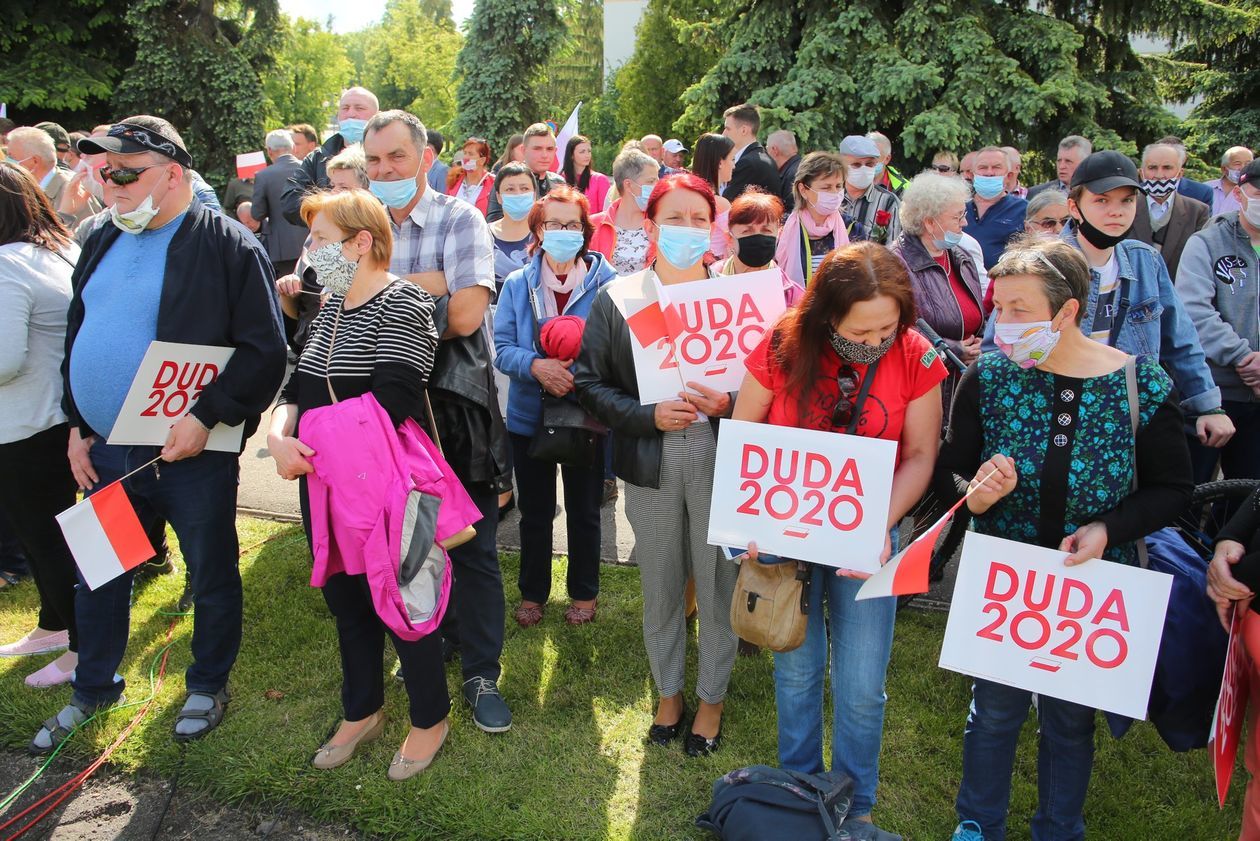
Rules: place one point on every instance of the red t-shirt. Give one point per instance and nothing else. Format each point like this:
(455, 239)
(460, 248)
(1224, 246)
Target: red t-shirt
(909, 370)
(971, 315)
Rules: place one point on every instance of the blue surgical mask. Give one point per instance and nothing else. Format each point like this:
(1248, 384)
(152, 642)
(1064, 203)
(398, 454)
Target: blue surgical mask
(682, 247)
(988, 186)
(517, 205)
(879, 170)
(645, 192)
(351, 130)
(395, 194)
(948, 239)
(562, 246)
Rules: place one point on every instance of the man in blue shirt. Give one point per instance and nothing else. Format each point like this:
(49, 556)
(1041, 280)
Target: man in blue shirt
(994, 217)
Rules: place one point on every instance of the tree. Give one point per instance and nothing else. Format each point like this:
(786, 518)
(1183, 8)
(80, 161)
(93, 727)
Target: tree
(61, 60)
(675, 45)
(507, 44)
(937, 75)
(311, 70)
(602, 122)
(201, 71)
(408, 59)
(576, 72)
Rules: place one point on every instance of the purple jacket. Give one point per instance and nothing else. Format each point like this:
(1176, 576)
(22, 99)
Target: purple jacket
(380, 500)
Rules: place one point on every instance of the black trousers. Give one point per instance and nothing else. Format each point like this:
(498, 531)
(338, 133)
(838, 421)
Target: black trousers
(536, 498)
(474, 617)
(361, 637)
(35, 485)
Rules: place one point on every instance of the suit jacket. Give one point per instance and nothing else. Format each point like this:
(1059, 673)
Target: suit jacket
(1048, 185)
(787, 178)
(753, 167)
(1196, 190)
(284, 239)
(1188, 216)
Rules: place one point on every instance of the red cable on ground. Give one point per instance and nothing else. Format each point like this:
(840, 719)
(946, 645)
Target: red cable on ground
(70, 786)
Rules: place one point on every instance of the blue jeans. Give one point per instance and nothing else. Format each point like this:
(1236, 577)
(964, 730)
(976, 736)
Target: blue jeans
(860, 642)
(1065, 757)
(197, 496)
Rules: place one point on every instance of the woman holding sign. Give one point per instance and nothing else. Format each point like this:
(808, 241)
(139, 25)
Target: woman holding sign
(664, 452)
(375, 335)
(847, 360)
(1045, 432)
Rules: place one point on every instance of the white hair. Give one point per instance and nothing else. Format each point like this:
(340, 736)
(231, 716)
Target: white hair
(1229, 153)
(881, 140)
(1075, 141)
(927, 196)
(279, 140)
(782, 139)
(36, 141)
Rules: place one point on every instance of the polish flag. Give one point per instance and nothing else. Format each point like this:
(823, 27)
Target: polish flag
(250, 164)
(652, 323)
(105, 536)
(569, 129)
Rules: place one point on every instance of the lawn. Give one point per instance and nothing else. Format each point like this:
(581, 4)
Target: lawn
(574, 766)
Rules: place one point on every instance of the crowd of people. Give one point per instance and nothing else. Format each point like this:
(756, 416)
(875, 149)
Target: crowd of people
(1098, 354)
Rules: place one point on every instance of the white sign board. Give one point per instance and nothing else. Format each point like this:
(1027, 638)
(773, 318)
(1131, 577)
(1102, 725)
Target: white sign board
(700, 331)
(1088, 634)
(800, 493)
(167, 384)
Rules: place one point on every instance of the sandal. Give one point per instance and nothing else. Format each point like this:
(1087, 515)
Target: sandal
(9, 579)
(57, 729)
(211, 715)
(527, 616)
(581, 615)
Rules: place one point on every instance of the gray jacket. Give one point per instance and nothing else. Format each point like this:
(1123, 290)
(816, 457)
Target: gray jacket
(1218, 281)
(284, 239)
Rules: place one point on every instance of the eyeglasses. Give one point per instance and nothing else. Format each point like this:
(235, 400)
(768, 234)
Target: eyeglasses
(842, 414)
(1052, 224)
(945, 168)
(562, 226)
(123, 176)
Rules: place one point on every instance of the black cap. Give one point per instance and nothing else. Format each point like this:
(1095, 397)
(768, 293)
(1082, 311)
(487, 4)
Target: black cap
(1103, 171)
(61, 138)
(130, 139)
(1250, 173)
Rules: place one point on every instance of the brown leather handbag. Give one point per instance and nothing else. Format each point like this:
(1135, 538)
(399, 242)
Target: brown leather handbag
(770, 607)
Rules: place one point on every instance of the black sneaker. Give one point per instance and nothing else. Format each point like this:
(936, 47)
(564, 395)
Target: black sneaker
(490, 711)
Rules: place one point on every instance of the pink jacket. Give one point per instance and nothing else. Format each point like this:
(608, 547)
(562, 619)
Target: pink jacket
(380, 498)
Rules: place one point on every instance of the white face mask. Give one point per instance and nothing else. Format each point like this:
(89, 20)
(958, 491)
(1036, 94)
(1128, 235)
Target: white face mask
(135, 221)
(861, 176)
(1252, 211)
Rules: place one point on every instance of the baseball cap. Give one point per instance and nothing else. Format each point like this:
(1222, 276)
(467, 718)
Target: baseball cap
(130, 138)
(674, 146)
(859, 147)
(1251, 173)
(61, 138)
(1107, 170)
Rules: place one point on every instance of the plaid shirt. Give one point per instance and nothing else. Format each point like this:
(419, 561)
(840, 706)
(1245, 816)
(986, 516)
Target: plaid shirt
(860, 215)
(444, 234)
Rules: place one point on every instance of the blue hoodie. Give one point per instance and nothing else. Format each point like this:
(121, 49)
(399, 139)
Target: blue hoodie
(514, 347)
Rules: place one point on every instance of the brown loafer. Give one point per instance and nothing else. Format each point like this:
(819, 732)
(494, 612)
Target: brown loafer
(527, 616)
(580, 615)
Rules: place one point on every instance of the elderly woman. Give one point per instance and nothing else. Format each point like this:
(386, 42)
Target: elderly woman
(1047, 214)
(375, 335)
(1045, 428)
(854, 325)
(665, 452)
(942, 274)
(620, 234)
(562, 278)
(755, 224)
(470, 179)
(37, 256)
(815, 226)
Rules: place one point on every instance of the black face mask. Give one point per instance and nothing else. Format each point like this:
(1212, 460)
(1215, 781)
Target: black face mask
(755, 249)
(1097, 238)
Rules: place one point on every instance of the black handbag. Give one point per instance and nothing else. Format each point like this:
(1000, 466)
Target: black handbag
(567, 434)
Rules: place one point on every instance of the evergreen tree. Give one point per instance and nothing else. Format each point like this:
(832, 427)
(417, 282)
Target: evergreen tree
(576, 73)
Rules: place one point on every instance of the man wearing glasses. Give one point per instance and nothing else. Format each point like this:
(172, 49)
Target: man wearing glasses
(167, 268)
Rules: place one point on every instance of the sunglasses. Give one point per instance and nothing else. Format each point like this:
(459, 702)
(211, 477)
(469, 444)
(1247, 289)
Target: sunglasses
(122, 176)
(842, 414)
(1049, 224)
(945, 168)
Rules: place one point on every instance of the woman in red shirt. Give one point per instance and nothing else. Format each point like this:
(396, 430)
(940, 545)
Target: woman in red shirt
(854, 322)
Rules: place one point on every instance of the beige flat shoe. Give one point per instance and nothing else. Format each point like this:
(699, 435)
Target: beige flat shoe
(402, 768)
(330, 755)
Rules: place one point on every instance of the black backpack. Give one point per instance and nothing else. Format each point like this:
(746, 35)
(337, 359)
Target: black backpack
(760, 803)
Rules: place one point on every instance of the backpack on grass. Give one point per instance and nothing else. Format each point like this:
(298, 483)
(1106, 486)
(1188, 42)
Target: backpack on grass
(760, 803)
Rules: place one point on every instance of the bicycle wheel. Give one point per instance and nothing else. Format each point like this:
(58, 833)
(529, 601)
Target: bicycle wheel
(1211, 505)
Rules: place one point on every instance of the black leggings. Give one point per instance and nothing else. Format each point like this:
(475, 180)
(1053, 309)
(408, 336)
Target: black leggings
(35, 485)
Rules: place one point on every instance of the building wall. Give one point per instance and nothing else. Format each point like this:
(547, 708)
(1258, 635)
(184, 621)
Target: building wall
(621, 17)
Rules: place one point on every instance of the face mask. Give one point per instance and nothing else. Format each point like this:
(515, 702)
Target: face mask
(1234, 175)
(948, 239)
(562, 246)
(1252, 212)
(755, 249)
(682, 247)
(395, 194)
(861, 176)
(988, 186)
(860, 353)
(1158, 188)
(517, 205)
(879, 170)
(333, 270)
(1027, 344)
(827, 203)
(645, 192)
(134, 221)
(351, 130)
(1097, 238)
(469, 164)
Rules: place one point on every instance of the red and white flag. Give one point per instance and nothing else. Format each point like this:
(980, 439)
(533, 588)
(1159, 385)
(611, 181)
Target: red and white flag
(105, 536)
(250, 164)
(567, 130)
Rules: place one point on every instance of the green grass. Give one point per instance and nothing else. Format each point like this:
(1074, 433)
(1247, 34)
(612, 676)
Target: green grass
(574, 766)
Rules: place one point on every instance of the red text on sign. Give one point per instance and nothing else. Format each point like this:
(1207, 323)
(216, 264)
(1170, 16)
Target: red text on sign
(804, 487)
(177, 386)
(713, 329)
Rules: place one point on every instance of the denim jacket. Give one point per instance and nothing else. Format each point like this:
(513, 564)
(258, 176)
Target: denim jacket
(1156, 324)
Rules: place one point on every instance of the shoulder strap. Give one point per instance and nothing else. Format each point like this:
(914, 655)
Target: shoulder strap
(1131, 388)
(861, 397)
(1121, 312)
(332, 340)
